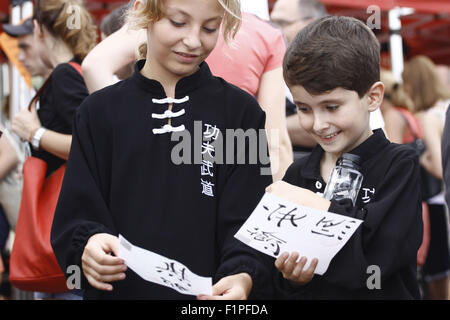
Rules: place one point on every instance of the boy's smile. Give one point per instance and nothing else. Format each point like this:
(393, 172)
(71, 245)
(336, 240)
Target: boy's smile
(338, 120)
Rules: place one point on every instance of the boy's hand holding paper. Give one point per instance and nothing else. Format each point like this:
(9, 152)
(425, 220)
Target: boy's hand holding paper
(278, 225)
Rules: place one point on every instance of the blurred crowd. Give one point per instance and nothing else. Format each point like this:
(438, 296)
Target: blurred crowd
(68, 65)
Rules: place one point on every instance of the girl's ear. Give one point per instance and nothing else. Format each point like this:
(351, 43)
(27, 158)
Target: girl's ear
(375, 96)
(137, 4)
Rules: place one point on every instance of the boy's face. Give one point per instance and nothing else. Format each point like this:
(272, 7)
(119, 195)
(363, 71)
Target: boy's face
(338, 120)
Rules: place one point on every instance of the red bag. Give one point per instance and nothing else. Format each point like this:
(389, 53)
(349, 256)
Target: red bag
(33, 265)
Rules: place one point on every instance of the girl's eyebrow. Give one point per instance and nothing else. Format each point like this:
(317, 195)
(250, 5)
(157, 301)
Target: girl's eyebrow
(189, 16)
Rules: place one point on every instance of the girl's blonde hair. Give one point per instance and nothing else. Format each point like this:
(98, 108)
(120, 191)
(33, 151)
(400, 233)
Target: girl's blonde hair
(421, 75)
(70, 21)
(394, 92)
(153, 10)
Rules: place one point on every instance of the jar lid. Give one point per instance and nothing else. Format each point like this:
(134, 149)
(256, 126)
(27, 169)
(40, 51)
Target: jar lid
(350, 160)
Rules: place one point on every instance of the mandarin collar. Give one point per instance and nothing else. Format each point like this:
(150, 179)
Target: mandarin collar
(183, 86)
(366, 150)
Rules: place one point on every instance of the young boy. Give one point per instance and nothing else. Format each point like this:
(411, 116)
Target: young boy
(332, 69)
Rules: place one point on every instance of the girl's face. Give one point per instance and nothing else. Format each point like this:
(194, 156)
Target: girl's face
(184, 37)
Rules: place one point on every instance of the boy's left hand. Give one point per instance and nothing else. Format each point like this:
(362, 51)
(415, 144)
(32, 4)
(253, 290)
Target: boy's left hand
(235, 287)
(293, 270)
(301, 196)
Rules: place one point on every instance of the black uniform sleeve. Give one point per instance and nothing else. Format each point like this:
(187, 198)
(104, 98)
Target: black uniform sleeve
(391, 232)
(69, 91)
(82, 209)
(446, 156)
(244, 188)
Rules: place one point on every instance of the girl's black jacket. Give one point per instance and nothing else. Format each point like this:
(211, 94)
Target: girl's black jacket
(123, 178)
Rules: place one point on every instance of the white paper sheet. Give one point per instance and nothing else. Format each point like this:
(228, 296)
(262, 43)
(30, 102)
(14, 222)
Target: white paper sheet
(278, 225)
(161, 270)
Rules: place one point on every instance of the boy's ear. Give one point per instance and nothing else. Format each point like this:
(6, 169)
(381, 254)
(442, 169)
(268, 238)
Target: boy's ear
(375, 96)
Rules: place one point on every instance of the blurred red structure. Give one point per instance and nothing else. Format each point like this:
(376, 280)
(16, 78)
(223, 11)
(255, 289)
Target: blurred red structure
(427, 31)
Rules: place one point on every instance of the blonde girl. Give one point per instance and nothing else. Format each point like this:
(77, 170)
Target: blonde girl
(143, 164)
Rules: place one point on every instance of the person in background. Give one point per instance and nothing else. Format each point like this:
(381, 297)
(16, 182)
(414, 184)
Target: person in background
(403, 127)
(10, 188)
(445, 76)
(111, 24)
(11, 162)
(28, 54)
(291, 16)
(446, 157)
(11, 150)
(431, 100)
(396, 103)
(48, 125)
(253, 62)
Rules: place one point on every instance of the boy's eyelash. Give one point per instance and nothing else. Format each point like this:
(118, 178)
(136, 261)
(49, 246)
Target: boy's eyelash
(302, 109)
(333, 108)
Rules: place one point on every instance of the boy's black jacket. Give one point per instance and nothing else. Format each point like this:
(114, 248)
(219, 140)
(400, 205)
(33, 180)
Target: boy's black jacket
(389, 202)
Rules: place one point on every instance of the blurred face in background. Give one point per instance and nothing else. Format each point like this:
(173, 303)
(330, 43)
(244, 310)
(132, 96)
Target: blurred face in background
(288, 16)
(42, 40)
(29, 56)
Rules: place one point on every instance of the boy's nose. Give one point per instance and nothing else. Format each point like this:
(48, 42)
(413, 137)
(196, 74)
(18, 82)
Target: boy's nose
(320, 124)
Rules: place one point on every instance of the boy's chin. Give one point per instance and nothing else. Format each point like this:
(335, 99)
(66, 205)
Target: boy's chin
(332, 150)
(335, 148)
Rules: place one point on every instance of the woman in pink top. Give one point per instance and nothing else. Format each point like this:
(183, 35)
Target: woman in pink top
(253, 62)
